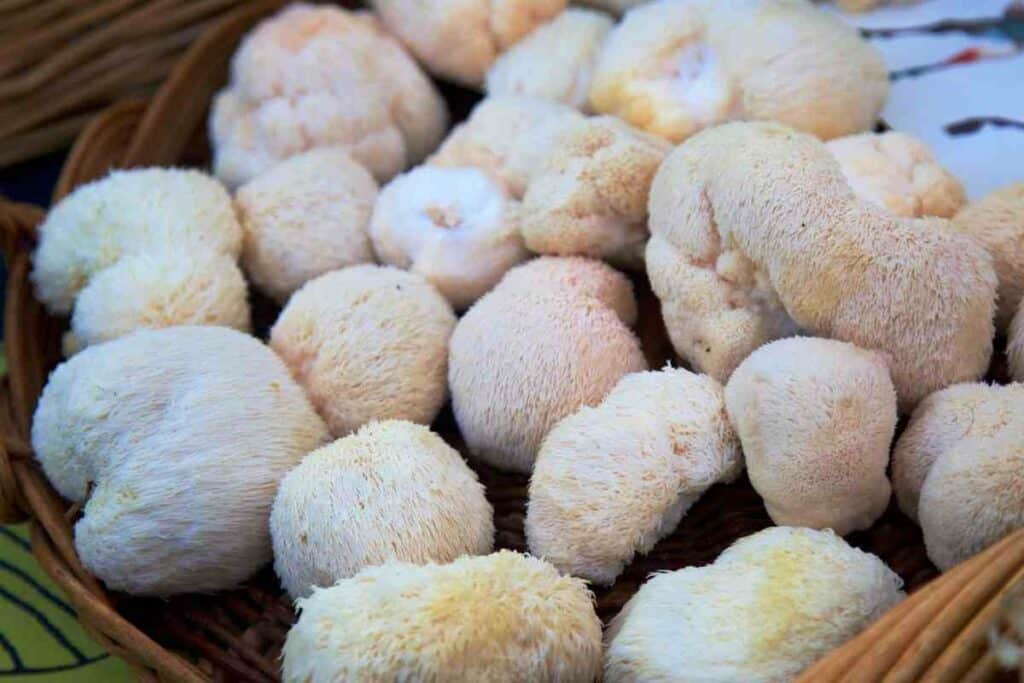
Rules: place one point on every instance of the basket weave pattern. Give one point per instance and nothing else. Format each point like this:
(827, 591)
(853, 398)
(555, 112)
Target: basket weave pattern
(939, 633)
(63, 61)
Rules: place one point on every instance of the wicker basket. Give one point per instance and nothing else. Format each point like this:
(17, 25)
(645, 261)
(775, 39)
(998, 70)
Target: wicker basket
(939, 632)
(63, 61)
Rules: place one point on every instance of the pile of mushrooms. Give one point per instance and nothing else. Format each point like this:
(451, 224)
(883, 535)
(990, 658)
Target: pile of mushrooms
(817, 281)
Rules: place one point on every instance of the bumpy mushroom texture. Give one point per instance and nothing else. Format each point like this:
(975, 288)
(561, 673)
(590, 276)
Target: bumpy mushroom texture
(973, 496)
(456, 227)
(554, 62)
(175, 441)
(590, 198)
(997, 222)
(816, 417)
(583, 276)
(393, 491)
(144, 248)
(755, 233)
(941, 421)
(508, 137)
(149, 291)
(898, 172)
(323, 76)
(772, 604)
(459, 41)
(367, 343)
(530, 352)
(612, 480)
(501, 617)
(1015, 345)
(674, 67)
(304, 217)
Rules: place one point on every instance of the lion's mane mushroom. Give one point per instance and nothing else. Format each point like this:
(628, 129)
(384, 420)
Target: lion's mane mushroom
(367, 343)
(533, 350)
(323, 76)
(500, 617)
(141, 249)
(590, 198)
(175, 440)
(673, 67)
(755, 232)
(997, 222)
(898, 172)
(459, 41)
(457, 227)
(394, 490)
(305, 216)
(816, 418)
(956, 468)
(612, 480)
(507, 137)
(771, 604)
(555, 62)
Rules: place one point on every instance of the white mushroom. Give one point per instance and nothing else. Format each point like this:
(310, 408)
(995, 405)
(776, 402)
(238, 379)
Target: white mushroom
(756, 234)
(501, 617)
(315, 76)
(394, 490)
(175, 441)
(898, 172)
(771, 604)
(142, 248)
(533, 350)
(956, 468)
(304, 217)
(816, 417)
(459, 40)
(590, 196)
(507, 137)
(555, 61)
(674, 67)
(367, 343)
(612, 480)
(456, 227)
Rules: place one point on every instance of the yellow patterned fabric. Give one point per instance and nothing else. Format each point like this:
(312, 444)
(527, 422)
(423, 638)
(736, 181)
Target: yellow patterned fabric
(40, 639)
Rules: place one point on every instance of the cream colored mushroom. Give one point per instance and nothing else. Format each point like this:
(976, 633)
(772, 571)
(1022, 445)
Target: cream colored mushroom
(367, 343)
(393, 491)
(612, 480)
(143, 248)
(174, 440)
(898, 172)
(501, 617)
(555, 61)
(305, 216)
(508, 137)
(456, 227)
(674, 67)
(816, 418)
(590, 198)
(770, 605)
(316, 76)
(997, 222)
(755, 234)
(459, 41)
(975, 498)
(532, 351)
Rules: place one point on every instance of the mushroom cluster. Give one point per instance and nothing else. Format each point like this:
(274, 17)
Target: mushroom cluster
(467, 318)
